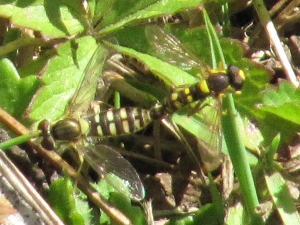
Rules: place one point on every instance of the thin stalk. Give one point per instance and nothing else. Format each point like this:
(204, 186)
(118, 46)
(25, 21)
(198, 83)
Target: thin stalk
(216, 199)
(269, 27)
(20, 42)
(237, 153)
(214, 42)
(18, 140)
(117, 100)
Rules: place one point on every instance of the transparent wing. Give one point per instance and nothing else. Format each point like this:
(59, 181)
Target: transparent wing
(206, 127)
(85, 92)
(117, 171)
(169, 48)
(210, 134)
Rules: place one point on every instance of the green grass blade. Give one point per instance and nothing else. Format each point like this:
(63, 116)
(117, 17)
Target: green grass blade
(18, 140)
(282, 198)
(214, 42)
(237, 153)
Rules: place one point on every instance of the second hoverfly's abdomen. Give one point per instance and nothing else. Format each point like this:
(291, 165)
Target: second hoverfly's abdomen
(177, 100)
(121, 121)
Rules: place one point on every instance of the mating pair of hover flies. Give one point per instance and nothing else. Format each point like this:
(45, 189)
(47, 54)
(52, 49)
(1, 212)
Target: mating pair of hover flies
(114, 122)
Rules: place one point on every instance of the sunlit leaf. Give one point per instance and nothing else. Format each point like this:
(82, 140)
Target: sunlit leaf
(282, 198)
(159, 8)
(53, 19)
(61, 78)
(15, 91)
(71, 208)
(165, 71)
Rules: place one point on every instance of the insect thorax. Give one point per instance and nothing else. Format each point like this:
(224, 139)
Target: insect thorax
(69, 129)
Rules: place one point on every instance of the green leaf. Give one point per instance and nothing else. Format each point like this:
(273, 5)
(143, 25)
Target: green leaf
(111, 12)
(282, 199)
(12, 34)
(283, 102)
(285, 93)
(123, 203)
(206, 215)
(37, 65)
(271, 151)
(134, 213)
(197, 41)
(16, 92)
(51, 18)
(71, 208)
(251, 95)
(236, 214)
(61, 78)
(163, 70)
(251, 135)
(105, 189)
(281, 105)
(163, 7)
(101, 11)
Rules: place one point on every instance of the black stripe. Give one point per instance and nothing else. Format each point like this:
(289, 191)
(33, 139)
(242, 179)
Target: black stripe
(104, 124)
(131, 117)
(141, 117)
(184, 97)
(197, 93)
(118, 122)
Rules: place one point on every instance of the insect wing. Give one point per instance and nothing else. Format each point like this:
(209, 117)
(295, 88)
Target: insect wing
(169, 48)
(86, 90)
(210, 134)
(115, 169)
(206, 127)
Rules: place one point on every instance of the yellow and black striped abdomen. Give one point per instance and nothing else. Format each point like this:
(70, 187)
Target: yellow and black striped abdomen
(217, 82)
(177, 100)
(114, 122)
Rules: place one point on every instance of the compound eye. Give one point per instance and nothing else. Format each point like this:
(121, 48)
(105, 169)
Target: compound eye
(236, 77)
(44, 126)
(47, 140)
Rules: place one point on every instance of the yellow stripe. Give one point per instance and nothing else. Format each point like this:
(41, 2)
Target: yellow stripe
(110, 115)
(97, 118)
(123, 114)
(242, 74)
(217, 71)
(125, 126)
(137, 125)
(112, 129)
(99, 130)
(174, 96)
(190, 98)
(203, 86)
(186, 91)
